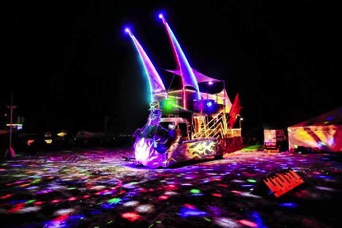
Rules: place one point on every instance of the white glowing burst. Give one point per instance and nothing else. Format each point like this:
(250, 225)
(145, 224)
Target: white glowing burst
(146, 208)
(64, 211)
(170, 193)
(226, 222)
(29, 209)
(131, 204)
(248, 194)
(98, 187)
(326, 188)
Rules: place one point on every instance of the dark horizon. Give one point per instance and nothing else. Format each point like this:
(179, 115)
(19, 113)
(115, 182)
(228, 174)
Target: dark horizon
(72, 66)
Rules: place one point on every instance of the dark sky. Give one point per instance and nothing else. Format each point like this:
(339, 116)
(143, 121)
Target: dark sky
(71, 66)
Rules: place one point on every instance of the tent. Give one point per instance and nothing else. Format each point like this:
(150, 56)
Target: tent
(322, 133)
(220, 96)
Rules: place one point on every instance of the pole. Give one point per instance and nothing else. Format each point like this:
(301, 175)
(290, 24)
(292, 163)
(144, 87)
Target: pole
(240, 119)
(10, 149)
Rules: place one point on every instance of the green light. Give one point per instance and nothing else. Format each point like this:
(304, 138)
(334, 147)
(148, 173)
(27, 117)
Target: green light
(114, 200)
(169, 104)
(30, 201)
(195, 191)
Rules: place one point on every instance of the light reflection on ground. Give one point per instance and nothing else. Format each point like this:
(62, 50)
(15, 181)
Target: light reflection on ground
(97, 188)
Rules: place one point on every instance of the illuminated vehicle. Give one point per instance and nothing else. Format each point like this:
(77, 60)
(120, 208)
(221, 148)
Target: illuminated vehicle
(274, 139)
(190, 123)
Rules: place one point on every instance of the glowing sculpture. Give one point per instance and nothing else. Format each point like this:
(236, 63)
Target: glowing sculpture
(184, 124)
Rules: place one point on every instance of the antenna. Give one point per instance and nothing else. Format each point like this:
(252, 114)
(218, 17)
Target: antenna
(10, 149)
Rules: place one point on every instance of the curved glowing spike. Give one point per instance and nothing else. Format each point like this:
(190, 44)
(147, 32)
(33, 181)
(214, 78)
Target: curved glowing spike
(187, 74)
(155, 83)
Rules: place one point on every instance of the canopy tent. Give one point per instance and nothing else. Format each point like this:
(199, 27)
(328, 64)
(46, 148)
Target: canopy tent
(321, 133)
(199, 76)
(219, 94)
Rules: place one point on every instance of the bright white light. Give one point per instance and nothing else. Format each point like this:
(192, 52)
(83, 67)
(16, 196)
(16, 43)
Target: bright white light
(127, 30)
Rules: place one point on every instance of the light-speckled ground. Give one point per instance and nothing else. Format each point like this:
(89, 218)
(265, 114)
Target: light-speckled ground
(97, 188)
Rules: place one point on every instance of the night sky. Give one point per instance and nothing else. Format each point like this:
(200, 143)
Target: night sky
(71, 66)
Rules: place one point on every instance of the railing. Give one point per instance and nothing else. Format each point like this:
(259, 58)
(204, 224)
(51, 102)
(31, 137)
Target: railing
(216, 127)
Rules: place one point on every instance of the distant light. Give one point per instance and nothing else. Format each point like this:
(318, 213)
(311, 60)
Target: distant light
(29, 142)
(210, 82)
(161, 16)
(48, 141)
(61, 134)
(19, 126)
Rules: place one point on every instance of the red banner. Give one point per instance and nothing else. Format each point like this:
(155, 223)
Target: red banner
(234, 111)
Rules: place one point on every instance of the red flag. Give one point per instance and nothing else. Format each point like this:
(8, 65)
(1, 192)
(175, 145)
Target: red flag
(234, 111)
